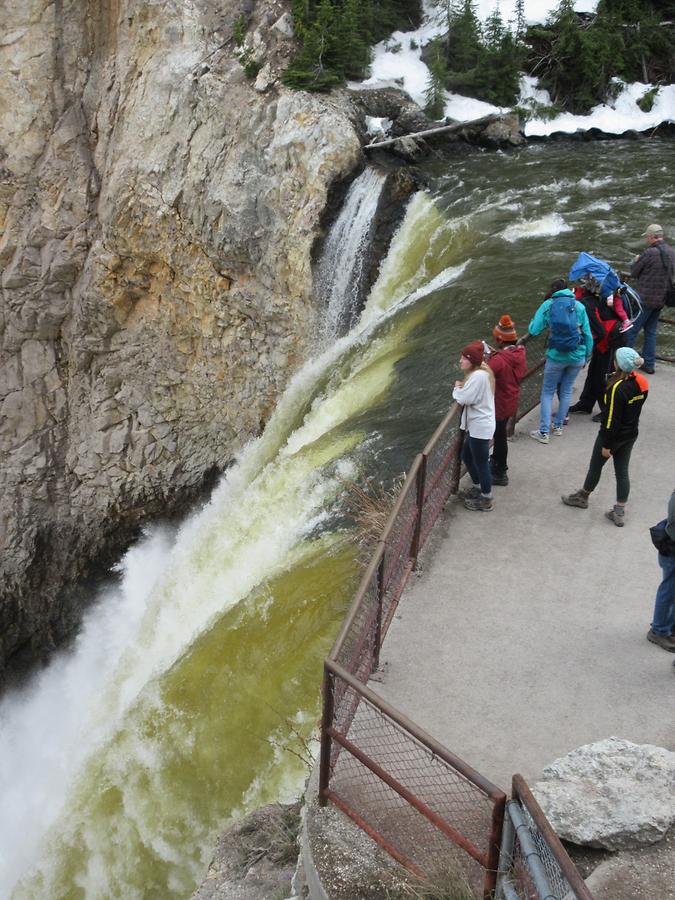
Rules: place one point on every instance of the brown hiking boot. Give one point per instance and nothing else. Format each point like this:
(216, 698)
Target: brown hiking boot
(662, 640)
(480, 503)
(469, 493)
(617, 516)
(578, 498)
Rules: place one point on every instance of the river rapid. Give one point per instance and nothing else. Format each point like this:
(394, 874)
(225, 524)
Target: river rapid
(191, 694)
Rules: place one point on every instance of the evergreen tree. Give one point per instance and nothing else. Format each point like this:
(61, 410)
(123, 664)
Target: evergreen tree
(434, 94)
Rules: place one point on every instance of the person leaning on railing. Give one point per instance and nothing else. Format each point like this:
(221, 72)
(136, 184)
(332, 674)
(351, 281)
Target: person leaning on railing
(654, 269)
(476, 394)
(569, 349)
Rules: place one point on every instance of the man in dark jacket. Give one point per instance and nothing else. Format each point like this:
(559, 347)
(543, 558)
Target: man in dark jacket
(653, 269)
(508, 366)
(624, 398)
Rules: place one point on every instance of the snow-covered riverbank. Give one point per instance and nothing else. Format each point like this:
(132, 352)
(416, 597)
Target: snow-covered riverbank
(397, 61)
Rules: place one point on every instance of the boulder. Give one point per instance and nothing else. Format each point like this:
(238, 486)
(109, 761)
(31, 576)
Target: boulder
(612, 794)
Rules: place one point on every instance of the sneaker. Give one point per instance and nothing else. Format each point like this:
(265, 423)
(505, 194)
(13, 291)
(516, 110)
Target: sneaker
(597, 417)
(617, 516)
(501, 479)
(469, 493)
(540, 436)
(481, 504)
(578, 408)
(667, 642)
(578, 498)
(625, 327)
(557, 430)
(648, 369)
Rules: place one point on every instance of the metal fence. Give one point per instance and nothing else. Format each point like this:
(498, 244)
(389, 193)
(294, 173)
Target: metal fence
(410, 794)
(666, 338)
(533, 864)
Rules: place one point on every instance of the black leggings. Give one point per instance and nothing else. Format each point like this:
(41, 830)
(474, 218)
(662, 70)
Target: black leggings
(621, 458)
(500, 448)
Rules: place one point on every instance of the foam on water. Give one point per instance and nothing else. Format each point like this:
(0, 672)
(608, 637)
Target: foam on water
(548, 225)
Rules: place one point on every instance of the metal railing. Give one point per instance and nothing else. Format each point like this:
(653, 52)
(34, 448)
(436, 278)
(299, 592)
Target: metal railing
(411, 795)
(533, 864)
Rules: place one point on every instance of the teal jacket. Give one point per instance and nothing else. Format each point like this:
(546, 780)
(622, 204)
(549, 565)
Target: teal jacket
(541, 321)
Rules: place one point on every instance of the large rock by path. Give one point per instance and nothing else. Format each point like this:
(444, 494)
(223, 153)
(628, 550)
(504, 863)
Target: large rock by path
(612, 794)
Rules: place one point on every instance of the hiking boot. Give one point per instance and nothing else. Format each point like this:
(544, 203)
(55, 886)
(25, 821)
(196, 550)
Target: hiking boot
(481, 504)
(469, 493)
(667, 642)
(501, 478)
(578, 408)
(540, 436)
(648, 369)
(557, 430)
(578, 498)
(617, 516)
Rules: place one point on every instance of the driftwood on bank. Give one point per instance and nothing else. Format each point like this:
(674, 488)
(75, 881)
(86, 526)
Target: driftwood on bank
(442, 129)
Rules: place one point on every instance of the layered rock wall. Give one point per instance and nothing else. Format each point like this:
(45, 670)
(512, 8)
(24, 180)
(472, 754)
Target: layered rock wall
(158, 211)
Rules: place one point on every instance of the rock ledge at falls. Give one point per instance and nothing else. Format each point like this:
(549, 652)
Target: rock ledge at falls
(158, 213)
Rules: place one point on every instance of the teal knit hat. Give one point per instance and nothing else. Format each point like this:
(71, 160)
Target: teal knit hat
(627, 359)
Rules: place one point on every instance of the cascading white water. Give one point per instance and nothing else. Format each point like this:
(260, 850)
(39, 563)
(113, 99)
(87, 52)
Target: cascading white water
(81, 733)
(339, 273)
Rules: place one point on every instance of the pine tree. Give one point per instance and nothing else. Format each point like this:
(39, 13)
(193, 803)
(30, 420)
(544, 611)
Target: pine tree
(519, 21)
(434, 94)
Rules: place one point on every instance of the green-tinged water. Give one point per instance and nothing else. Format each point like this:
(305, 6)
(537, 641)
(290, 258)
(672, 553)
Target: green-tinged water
(193, 691)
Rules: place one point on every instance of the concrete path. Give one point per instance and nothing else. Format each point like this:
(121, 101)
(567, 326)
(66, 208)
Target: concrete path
(523, 635)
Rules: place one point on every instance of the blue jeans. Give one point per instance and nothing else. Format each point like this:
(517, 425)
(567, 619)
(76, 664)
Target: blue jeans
(476, 454)
(664, 607)
(555, 374)
(649, 320)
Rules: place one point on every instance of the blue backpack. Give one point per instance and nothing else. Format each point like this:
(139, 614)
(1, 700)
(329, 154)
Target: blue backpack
(565, 334)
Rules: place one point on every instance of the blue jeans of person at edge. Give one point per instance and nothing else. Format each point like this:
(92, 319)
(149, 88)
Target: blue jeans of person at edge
(664, 607)
(476, 458)
(562, 366)
(648, 320)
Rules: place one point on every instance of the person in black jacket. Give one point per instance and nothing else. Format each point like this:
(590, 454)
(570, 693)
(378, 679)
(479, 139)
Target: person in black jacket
(624, 398)
(662, 629)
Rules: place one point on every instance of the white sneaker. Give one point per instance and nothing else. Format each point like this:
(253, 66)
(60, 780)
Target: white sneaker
(557, 430)
(540, 436)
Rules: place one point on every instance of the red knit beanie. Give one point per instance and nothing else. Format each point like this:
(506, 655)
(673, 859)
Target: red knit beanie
(473, 352)
(505, 330)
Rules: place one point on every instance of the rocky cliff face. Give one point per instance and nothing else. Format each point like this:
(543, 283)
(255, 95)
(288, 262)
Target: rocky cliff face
(158, 210)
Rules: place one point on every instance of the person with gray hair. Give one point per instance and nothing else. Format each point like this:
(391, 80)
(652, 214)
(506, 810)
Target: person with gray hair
(624, 398)
(653, 269)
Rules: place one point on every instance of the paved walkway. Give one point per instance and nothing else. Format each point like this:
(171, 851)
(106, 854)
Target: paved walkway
(523, 636)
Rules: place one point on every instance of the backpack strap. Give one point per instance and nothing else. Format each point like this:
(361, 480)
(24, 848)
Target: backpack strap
(668, 266)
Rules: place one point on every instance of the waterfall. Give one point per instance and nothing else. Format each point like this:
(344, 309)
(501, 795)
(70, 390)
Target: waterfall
(172, 713)
(341, 268)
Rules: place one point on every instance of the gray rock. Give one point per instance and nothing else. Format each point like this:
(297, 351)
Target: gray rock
(612, 794)
(158, 215)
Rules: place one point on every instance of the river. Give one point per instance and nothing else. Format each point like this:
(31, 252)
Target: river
(191, 694)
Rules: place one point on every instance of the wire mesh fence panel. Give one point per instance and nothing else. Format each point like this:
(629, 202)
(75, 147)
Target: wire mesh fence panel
(665, 336)
(530, 387)
(447, 795)
(398, 540)
(441, 459)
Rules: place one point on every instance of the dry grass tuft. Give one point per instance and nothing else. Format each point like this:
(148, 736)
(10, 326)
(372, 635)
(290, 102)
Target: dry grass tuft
(370, 507)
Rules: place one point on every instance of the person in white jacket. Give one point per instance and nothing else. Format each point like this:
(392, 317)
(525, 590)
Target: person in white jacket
(476, 395)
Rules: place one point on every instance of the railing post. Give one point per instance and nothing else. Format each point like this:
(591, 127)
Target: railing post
(417, 534)
(326, 725)
(380, 609)
(493, 848)
(457, 462)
